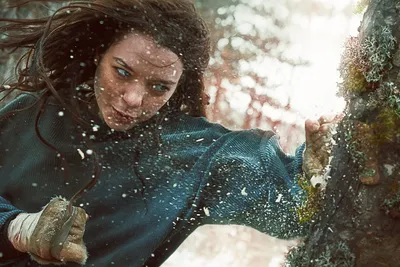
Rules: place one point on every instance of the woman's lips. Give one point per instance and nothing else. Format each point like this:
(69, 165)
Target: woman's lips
(122, 117)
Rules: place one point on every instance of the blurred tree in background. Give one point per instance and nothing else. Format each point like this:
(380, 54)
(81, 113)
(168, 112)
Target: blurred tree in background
(26, 11)
(250, 38)
(9, 60)
(246, 35)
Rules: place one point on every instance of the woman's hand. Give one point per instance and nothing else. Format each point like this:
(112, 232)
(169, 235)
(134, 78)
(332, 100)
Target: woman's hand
(53, 235)
(319, 144)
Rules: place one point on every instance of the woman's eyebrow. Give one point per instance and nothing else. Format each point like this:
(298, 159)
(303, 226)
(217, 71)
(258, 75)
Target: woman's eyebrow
(123, 63)
(155, 80)
(165, 82)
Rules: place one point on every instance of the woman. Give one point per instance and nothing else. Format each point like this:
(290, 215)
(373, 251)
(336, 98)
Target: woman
(115, 116)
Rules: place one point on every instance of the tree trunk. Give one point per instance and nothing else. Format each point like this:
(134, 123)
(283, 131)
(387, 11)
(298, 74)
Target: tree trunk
(358, 224)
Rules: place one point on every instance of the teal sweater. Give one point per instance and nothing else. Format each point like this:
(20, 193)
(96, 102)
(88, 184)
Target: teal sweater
(197, 173)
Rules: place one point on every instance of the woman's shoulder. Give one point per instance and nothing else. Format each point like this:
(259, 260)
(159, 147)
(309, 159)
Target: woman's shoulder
(20, 100)
(200, 129)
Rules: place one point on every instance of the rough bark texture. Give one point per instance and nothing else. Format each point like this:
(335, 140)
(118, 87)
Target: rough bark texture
(359, 222)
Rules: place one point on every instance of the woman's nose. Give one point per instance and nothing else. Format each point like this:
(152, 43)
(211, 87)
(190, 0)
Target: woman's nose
(133, 95)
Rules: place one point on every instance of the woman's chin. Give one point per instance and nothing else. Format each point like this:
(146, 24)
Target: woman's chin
(121, 127)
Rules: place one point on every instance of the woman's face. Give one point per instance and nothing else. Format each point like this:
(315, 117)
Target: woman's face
(135, 77)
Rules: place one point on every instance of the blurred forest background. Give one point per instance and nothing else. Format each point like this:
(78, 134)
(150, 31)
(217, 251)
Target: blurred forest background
(274, 64)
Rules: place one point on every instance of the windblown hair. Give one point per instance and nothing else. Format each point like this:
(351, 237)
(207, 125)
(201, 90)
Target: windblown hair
(62, 47)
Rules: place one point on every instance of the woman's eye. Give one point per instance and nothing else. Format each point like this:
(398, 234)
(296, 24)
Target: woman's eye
(159, 88)
(122, 72)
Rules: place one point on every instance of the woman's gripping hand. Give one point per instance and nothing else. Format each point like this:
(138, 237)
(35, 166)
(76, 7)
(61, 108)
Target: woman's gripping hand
(319, 144)
(52, 236)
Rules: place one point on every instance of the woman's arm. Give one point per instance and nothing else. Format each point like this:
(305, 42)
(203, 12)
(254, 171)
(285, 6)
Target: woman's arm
(52, 235)
(7, 211)
(250, 181)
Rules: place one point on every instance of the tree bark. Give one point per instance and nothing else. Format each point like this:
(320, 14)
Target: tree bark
(358, 224)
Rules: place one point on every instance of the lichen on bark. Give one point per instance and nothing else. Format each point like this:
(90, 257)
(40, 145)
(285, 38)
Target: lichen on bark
(358, 223)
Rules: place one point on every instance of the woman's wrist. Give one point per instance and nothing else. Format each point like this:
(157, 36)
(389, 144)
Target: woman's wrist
(20, 230)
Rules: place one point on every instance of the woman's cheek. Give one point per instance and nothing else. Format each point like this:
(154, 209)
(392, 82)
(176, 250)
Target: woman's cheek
(108, 96)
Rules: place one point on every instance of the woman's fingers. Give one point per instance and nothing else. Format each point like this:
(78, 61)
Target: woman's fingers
(319, 132)
(311, 127)
(329, 119)
(326, 119)
(74, 253)
(319, 143)
(322, 129)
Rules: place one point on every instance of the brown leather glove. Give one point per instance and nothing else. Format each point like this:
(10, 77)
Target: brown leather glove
(51, 236)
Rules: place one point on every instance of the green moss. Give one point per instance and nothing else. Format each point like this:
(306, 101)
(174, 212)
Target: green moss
(335, 255)
(386, 128)
(353, 146)
(312, 204)
(365, 139)
(363, 65)
(355, 81)
(361, 146)
(368, 173)
(392, 96)
(391, 205)
(361, 6)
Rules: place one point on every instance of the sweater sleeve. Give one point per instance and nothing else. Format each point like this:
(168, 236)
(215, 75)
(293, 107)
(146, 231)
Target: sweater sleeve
(7, 211)
(248, 180)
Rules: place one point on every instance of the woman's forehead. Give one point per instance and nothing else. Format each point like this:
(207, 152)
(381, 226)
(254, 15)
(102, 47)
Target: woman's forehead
(135, 45)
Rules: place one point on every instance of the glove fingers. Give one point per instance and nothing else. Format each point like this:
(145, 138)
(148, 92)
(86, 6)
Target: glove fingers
(74, 249)
(78, 227)
(74, 253)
